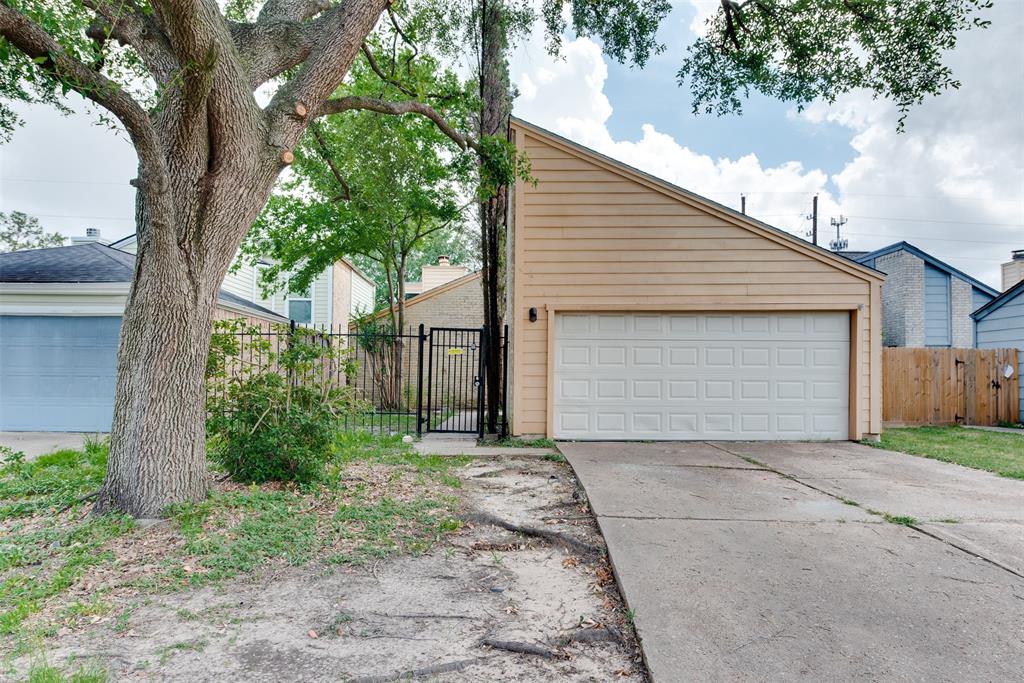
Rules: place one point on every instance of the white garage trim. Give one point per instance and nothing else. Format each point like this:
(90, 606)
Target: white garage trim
(700, 375)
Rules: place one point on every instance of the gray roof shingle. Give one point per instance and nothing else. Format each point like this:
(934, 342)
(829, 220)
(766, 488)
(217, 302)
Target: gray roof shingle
(85, 263)
(90, 262)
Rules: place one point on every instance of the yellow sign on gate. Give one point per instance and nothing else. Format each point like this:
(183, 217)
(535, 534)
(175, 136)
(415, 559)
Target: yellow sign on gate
(456, 352)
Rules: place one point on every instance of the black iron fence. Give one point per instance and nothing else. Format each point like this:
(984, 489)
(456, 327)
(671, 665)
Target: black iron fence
(409, 383)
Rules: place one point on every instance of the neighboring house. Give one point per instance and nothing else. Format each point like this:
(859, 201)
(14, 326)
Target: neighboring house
(336, 296)
(60, 317)
(1000, 325)
(1013, 270)
(925, 302)
(434, 276)
(643, 311)
(457, 303)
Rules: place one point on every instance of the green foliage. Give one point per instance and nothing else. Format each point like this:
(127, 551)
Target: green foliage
(626, 29)
(20, 231)
(800, 51)
(500, 164)
(273, 412)
(385, 188)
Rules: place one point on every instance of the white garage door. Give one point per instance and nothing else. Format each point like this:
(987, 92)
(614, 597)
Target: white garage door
(701, 376)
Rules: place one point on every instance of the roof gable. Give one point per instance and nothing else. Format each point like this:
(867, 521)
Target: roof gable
(929, 259)
(709, 206)
(436, 291)
(997, 303)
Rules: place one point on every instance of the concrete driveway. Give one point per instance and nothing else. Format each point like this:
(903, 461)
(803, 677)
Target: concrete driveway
(772, 561)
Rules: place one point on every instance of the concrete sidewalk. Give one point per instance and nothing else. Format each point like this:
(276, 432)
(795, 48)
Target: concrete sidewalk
(466, 444)
(737, 570)
(34, 444)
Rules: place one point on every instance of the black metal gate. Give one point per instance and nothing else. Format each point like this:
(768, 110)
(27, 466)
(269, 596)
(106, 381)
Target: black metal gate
(454, 392)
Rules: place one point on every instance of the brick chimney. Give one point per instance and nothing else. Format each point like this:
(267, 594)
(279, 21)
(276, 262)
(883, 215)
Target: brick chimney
(1013, 270)
(442, 273)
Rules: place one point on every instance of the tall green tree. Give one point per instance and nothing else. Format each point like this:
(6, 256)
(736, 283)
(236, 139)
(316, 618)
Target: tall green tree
(20, 231)
(180, 77)
(385, 189)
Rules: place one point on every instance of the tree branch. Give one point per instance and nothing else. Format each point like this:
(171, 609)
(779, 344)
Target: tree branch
(37, 44)
(125, 23)
(325, 154)
(354, 102)
(383, 76)
(337, 42)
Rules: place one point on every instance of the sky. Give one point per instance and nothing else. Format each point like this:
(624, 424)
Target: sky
(951, 184)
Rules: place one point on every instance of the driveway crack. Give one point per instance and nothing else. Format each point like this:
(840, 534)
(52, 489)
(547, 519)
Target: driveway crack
(915, 526)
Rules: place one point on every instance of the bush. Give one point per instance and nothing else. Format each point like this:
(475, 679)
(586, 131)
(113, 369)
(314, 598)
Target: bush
(274, 407)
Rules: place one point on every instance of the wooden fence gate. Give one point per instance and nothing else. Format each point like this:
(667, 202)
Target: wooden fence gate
(947, 386)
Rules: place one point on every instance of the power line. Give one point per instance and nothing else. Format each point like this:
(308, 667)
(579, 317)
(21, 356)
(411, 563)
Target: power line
(932, 220)
(927, 237)
(88, 218)
(119, 183)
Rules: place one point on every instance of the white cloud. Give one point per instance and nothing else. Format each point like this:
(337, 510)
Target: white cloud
(952, 183)
(570, 101)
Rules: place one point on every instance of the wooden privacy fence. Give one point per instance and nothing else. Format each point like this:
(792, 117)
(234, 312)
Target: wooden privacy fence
(947, 386)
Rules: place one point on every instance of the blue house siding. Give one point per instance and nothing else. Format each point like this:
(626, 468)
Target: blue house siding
(979, 298)
(1003, 328)
(57, 373)
(936, 307)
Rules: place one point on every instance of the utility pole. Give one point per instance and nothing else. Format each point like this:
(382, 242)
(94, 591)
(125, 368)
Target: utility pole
(743, 204)
(838, 244)
(814, 222)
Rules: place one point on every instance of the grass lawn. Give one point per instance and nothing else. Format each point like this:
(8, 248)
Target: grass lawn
(998, 452)
(60, 565)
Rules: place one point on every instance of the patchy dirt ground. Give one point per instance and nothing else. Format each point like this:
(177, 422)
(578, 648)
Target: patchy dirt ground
(464, 611)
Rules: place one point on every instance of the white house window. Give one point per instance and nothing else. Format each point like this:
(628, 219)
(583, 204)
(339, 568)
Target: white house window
(300, 306)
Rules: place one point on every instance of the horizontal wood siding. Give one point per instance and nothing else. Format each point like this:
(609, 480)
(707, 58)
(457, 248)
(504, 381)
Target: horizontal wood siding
(590, 236)
(1004, 327)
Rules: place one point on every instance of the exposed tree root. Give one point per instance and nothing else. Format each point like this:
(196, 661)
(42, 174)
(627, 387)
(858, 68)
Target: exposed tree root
(553, 537)
(518, 647)
(446, 667)
(608, 634)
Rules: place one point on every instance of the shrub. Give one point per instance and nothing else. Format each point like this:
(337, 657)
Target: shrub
(274, 401)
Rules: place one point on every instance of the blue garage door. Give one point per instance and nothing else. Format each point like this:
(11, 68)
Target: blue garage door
(57, 373)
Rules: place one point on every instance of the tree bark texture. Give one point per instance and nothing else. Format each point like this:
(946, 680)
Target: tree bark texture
(496, 108)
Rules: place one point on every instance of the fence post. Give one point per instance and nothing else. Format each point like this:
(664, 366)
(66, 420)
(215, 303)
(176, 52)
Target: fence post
(481, 369)
(419, 385)
(504, 384)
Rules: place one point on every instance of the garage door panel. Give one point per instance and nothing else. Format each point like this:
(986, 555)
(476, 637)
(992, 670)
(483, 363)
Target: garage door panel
(792, 326)
(57, 372)
(737, 376)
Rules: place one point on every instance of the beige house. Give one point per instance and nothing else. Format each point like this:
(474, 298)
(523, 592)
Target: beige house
(456, 303)
(639, 310)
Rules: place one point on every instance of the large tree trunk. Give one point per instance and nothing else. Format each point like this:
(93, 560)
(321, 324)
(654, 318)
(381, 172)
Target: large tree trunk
(494, 119)
(157, 446)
